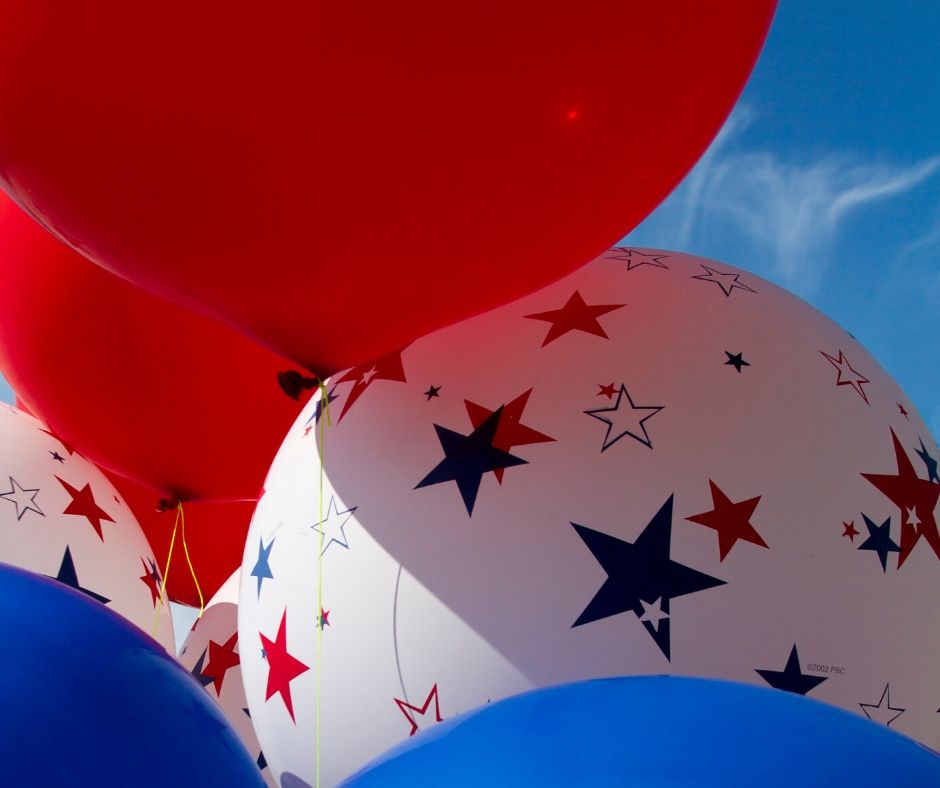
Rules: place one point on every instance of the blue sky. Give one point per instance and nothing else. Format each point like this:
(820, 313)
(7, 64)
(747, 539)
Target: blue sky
(826, 179)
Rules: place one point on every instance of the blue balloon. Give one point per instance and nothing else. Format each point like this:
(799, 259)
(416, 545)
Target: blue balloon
(89, 700)
(655, 731)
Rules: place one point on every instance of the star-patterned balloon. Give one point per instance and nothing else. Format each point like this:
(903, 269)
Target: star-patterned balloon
(211, 653)
(594, 492)
(61, 517)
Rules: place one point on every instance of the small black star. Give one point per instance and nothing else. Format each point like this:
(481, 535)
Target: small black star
(68, 576)
(432, 392)
(468, 457)
(735, 360)
(791, 678)
(57, 457)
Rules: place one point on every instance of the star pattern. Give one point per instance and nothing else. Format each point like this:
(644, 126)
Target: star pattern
(634, 258)
(222, 657)
(912, 496)
(511, 432)
(69, 448)
(83, 505)
(903, 411)
(728, 282)
(468, 457)
(413, 713)
(606, 391)
(151, 578)
(929, 462)
(283, 667)
(641, 571)
(324, 618)
(879, 540)
(319, 409)
(847, 375)
(882, 711)
(201, 677)
(432, 392)
(262, 567)
(731, 520)
(849, 530)
(23, 498)
(791, 678)
(736, 360)
(57, 457)
(387, 367)
(68, 576)
(333, 525)
(575, 315)
(625, 418)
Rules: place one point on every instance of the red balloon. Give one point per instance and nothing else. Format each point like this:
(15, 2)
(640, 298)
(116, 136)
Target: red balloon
(137, 384)
(340, 178)
(215, 537)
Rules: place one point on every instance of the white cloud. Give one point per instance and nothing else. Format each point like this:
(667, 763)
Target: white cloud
(790, 211)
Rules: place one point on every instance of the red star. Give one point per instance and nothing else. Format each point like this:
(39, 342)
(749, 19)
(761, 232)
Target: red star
(83, 505)
(606, 391)
(848, 529)
(151, 578)
(67, 446)
(324, 618)
(574, 315)
(510, 430)
(411, 711)
(387, 367)
(282, 667)
(221, 658)
(903, 412)
(916, 498)
(731, 520)
(847, 375)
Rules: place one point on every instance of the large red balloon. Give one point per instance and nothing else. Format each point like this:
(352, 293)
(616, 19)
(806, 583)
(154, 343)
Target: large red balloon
(139, 385)
(339, 178)
(215, 538)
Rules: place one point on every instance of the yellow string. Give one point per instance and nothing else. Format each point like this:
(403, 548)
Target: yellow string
(321, 442)
(182, 517)
(166, 570)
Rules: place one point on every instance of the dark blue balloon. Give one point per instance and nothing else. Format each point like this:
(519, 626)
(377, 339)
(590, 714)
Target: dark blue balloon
(655, 731)
(89, 700)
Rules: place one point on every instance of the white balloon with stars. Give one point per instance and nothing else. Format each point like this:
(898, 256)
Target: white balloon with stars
(659, 464)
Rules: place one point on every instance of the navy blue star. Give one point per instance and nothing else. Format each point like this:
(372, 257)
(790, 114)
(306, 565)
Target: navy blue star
(57, 457)
(929, 461)
(262, 761)
(205, 681)
(791, 678)
(433, 391)
(262, 568)
(320, 408)
(68, 576)
(625, 418)
(641, 576)
(879, 539)
(735, 360)
(468, 457)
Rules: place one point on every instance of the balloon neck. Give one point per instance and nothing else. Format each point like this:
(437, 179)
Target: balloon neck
(166, 504)
(292, 383)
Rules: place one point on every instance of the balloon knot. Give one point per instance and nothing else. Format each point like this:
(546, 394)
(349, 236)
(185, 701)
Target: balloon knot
(292, 383)
(165, 504)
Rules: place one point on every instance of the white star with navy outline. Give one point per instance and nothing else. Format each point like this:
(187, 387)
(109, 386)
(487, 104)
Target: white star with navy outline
(333, 525)
(23, 502)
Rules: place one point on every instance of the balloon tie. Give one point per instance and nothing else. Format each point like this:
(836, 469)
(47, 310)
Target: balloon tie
(192, 571)
(324, 422)
(166, 569)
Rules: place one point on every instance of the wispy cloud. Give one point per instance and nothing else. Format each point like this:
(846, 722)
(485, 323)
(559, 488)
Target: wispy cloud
(791, 211)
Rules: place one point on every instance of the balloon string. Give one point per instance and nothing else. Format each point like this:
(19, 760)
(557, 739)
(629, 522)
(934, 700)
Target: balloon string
(192, 571)
(324, 422)
(166, 570)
